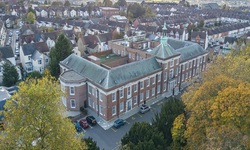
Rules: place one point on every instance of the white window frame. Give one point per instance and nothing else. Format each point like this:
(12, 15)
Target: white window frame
(121, 106)
(172, 63)
(135, 87)
(72, 92)
(100, 110)
(135, 99)
(177, 61)
(100, 96)
(159, 77)
(121, 93)
(158, 88)
(153, 91)
(148, 82)
(128, 91)
(74, 102)
(147, 94)
(153, 80)
(114, 97)
(141, 96)
(89, 89)
(142, 85)
(113, 109)
(165, 87)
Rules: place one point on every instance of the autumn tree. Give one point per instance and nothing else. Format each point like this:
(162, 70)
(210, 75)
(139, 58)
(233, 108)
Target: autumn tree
(34, 118)
(177, 132)
(219, 105)
(10, 74)
(31, 17)
(62, 49)
(143, 136)
(149, 12)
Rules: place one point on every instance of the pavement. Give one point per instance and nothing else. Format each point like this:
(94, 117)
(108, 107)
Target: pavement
(107, 124)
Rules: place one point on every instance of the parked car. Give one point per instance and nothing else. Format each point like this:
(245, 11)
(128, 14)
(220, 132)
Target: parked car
(118, 123)
(78, 126)
(84, 124)
(144, 108)
(91, 120)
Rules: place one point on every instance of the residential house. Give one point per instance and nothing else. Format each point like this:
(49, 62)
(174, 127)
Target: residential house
(4, 96)
(229, 44)
(109, 11)
(200, 38)
(6, 56)
(34, 56)
(3, 33)
(135, 71)
(93, 43)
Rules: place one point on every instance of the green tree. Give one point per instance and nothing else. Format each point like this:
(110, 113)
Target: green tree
(121, 3)
(135, 10)
(34, 118)
(10, 74)
(108, 3)
(164, 120)
(56, 3)
(67, 3)
(31, 17)
(31, 10)
(149, 13)
(201, 24)
(143, 136)
(35, 75)
(62, 49)
(91, 144)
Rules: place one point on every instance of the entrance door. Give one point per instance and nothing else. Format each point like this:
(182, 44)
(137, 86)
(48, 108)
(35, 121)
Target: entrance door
(129, 104)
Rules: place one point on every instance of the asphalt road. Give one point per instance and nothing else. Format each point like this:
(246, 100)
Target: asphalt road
(110, 139)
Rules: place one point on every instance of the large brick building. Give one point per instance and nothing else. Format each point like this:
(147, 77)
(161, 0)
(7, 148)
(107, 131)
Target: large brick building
(135, 71)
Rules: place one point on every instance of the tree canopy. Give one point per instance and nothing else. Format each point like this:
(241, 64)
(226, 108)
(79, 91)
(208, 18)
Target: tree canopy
(143, 136)
(31, 17)
(107, 3)
(34, 118)
(164, 120)
(67, 3)
(58, 53)
(10, 74)
(121, 3)
(219, 106)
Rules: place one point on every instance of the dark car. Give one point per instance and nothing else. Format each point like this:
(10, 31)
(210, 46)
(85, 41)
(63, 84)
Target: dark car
(78, 126)
(91, 120)
(84, 124)
(118, 123)
(144, 108)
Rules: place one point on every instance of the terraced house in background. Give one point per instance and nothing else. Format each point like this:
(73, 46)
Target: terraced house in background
(134, 71)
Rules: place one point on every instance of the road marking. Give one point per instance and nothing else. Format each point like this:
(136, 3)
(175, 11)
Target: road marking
(127, 122)
(90, 126)
(139, 115)
(113, 129)
(133, 118)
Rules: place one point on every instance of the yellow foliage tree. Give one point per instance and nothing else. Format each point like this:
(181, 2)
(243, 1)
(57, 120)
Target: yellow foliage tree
(219, 106)
(34, 118)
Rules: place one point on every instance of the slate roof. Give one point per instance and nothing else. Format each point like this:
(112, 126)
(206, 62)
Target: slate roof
(71, 76)
(230, 40)
(108, 78)
(29, 49)
(202, 35)
(190, 51)
(163, 50)
(6, 52)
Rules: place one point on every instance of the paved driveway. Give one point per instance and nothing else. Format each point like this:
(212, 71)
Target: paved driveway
(110, 139)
